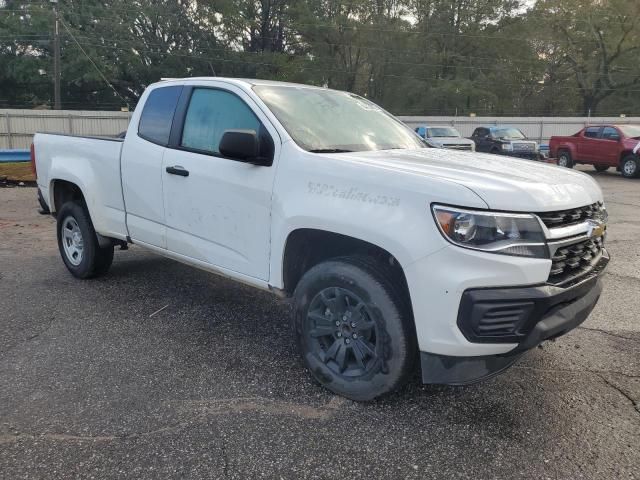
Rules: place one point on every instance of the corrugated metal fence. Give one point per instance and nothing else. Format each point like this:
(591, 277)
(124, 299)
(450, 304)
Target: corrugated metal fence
(18, 126)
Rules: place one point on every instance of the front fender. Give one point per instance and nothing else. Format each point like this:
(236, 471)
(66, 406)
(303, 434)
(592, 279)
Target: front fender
(387, 208)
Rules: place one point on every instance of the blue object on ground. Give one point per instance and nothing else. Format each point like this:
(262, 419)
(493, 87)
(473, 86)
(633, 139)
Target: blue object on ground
(10, 156)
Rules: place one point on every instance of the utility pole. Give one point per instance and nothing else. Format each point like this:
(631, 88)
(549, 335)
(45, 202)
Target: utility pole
(56, 57)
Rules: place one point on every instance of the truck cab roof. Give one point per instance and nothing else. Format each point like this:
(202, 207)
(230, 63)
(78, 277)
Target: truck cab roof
(246, 82)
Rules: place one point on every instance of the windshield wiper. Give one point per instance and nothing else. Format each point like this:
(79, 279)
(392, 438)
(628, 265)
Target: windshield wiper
(330, 150)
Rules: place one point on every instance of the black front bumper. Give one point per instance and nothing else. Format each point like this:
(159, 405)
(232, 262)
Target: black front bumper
(526, 316)
(525, 155)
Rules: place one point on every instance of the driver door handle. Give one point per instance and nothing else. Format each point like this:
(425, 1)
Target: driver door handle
(178, 170)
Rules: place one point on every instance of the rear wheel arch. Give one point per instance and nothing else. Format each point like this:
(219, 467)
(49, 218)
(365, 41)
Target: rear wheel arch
(63, 191)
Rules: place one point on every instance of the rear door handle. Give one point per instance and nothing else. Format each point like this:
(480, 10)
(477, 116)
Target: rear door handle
(178, 170)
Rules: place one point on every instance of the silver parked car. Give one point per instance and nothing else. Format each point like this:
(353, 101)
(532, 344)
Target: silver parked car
(445, 137)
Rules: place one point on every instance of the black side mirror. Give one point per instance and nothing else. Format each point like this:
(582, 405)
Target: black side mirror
(242, 145)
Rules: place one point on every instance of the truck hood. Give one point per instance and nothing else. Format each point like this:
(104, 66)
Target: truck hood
(451, 140)
(504, 183)
(632, 144)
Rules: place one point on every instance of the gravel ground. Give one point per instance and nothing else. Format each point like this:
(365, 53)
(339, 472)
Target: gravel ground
(92, 385)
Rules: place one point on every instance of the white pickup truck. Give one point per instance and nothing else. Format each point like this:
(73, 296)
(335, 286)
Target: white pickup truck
(393, 253)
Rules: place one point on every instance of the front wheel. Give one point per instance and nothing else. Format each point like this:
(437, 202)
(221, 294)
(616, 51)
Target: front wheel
(353, 328)
(564, 159)
(629, 166)
(78, 244)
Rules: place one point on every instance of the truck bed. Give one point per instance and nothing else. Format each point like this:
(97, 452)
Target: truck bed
(92, 163)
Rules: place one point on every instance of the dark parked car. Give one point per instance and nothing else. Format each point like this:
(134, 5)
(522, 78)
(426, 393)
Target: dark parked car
(505, 140)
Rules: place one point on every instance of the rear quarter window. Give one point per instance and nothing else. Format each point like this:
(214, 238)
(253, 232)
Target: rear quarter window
(157, 114)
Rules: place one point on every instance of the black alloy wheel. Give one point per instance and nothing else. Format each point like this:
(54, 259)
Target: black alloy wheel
(345, 337)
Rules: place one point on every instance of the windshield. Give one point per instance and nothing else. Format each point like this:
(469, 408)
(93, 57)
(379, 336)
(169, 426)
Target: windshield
(330, 121)
(631, 131)
(442, 132)
(508, 133)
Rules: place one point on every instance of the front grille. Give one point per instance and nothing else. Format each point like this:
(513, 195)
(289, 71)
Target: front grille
(572, 261)
(564, 218)
(524, 147)
(458, 146)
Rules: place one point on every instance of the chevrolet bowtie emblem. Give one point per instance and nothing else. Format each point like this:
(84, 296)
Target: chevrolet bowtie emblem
(596, 229)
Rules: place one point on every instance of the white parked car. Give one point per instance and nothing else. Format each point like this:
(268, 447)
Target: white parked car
(392, 252)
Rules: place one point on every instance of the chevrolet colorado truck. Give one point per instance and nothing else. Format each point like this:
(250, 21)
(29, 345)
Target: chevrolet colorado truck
(392, 254)
(602, 146)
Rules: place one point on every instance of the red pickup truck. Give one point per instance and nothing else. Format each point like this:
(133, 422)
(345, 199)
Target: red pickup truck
(602, 146)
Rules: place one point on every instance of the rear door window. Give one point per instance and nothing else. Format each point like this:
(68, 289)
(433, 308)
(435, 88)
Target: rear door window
(157, 115)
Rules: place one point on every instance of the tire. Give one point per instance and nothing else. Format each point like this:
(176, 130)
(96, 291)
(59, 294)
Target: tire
(564, 159)
(372, 349)
(630, 166)
(495, 151)
(78, 244)
(601, 168)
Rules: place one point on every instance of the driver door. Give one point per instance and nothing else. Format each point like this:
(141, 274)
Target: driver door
(588, 144)
(218, 210)
(482, 139)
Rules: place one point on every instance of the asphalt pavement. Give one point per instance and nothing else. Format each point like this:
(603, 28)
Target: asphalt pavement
(159, 370)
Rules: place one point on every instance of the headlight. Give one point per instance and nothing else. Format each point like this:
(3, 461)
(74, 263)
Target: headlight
(507, 147)
(505, 233)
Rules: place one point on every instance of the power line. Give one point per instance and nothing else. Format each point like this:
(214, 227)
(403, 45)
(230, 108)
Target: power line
(323, 69)
(404, 51)
(364, 47)
(139, 47)
(359, 27)
(94, 63)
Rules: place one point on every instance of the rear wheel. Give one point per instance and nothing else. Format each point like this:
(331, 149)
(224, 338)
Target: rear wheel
(629, 166)
(353, 328)
(564, 159)
(601, 168)
(78, 244)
